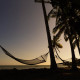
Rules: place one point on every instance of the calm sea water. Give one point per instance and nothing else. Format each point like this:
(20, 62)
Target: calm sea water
(19, 67)
(23, 66)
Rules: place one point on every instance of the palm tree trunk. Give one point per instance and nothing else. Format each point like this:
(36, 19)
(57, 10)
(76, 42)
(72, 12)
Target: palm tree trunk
(74, 65)
(77, 40)
(53, 65)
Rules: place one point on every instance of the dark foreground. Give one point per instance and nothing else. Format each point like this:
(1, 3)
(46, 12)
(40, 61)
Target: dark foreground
(39, 74)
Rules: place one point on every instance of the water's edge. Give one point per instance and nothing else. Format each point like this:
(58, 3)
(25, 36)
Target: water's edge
(23, 66)
(26, 66)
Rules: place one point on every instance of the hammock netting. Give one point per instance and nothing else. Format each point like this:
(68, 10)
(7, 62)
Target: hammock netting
(68, 61)
(40, 59)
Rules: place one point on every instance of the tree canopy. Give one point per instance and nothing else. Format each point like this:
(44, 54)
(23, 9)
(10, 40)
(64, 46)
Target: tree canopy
(69, 11)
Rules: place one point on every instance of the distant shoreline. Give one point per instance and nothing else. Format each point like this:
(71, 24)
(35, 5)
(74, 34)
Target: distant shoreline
(20, 67)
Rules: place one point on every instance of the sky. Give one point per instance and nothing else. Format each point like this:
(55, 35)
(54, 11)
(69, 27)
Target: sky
(23, 32)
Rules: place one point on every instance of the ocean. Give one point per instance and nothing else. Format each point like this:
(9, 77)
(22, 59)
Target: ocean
(19, 67)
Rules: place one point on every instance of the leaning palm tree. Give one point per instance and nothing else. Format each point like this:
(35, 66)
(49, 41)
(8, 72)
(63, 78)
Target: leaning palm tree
(53, 65)
(62, 26)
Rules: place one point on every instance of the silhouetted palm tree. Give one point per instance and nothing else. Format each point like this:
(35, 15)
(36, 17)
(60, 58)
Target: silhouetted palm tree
(52, 58)
(53, 65)
(72, 6)
(64, 15)
(67, 35)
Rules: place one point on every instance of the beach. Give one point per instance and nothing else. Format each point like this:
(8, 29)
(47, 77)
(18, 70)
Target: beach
(39, 74)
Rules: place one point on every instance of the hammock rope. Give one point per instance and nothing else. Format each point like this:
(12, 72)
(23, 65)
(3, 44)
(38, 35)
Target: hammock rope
(40, 59)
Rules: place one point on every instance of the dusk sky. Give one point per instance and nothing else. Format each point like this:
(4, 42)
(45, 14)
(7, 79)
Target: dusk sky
(23, 33)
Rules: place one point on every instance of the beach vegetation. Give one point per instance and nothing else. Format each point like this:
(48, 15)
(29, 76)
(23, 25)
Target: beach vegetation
(67, 22)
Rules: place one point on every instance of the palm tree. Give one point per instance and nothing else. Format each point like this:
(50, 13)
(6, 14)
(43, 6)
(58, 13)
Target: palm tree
(67, 35)
(64, 15)
(52, 58)
(72, 4)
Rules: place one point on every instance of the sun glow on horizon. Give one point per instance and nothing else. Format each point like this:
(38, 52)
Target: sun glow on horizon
(23, 32)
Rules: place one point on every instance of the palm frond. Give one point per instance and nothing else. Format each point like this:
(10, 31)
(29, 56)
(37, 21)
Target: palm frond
(58, 40)
(66, 36)
(74, 44)
(52, 13)
(57, 49)
(55, 43)
(60, 32)
(59, 45)
(56, 28)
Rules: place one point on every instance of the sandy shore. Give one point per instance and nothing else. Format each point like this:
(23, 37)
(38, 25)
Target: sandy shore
(39, 74)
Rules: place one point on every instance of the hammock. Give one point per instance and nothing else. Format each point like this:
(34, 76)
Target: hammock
(64, 62)
(40, 59)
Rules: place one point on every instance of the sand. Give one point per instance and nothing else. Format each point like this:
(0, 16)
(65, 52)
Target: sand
(39, 74)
